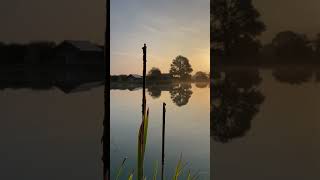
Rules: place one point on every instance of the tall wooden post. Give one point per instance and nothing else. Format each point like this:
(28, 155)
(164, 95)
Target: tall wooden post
(163, 137)
(144, 48)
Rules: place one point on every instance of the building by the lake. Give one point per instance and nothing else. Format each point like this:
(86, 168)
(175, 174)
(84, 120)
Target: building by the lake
(134, 78)
(78, 53)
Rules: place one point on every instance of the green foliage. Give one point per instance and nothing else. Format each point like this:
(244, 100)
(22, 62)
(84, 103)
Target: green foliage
(155, 171)
(120, 168)
(142, 140)
(179, 168)
(181, 68)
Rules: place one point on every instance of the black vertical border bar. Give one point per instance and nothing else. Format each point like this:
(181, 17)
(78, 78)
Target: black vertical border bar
(106, 121)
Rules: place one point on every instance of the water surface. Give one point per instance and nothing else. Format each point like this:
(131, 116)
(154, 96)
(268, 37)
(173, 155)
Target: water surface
(272, 129)
(187, 128)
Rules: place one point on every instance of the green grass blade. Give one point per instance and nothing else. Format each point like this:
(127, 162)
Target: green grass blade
(143, 133)
(179, 168)
(120, 168)
(189, 176)
(155, 171)
(130, 177)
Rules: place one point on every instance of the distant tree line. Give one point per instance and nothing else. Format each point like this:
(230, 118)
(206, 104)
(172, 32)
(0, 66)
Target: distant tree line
(40, 52)
(20, 53)
(180, 70)
(235, 28)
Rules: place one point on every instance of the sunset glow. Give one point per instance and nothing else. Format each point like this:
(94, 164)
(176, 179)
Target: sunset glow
(179, 27)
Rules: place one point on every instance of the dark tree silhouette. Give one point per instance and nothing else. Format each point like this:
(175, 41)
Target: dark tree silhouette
(200, 76)
(39, 52)
(317, 44)
(181, 94)
(291, 44)
(235, 100)
(181, 68)
(12, 53)
(154, 73)
(232, 22)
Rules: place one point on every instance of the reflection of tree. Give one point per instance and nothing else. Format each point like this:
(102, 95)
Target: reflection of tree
(181, 94)
(292, 76)
(235, 100)
(202, 84)
(317, 74)
(154, 92)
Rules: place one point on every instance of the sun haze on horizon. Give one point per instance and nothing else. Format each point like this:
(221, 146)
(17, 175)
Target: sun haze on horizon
(168, 27)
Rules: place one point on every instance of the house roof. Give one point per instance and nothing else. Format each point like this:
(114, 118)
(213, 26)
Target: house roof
(84, 45)
(135, 76)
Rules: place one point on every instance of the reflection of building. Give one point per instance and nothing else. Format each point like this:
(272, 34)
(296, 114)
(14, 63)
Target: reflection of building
(80, 87)
(134, 78)
(78, 53)
(166, 77)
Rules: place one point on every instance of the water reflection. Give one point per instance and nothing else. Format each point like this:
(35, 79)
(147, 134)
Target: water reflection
(202, 84)
(154, 92)
(181, 93)
(235, 100)
(294, 76)
(68, 80)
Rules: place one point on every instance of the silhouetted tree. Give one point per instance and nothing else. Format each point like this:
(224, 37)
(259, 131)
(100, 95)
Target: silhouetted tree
(39, 52)
(200, 76)
(12, 53)
(181, 94)
(154, 73)
(246, 46)
(234, 22)
(317, 44)
(291, 44)
(181, 68)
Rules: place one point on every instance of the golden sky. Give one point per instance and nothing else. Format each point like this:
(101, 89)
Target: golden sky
(168, 27)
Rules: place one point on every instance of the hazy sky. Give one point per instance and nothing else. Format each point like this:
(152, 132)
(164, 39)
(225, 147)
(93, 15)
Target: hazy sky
(298, 15)
(29, 20)
(168, 27)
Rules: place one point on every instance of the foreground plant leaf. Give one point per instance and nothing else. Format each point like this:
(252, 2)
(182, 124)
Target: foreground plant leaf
(155, 171)
(142, 141)
(179, 169)
(120, 168)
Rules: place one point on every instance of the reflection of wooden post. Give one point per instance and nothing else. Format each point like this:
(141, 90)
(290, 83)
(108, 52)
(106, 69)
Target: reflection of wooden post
(163, 137)
(144, 79)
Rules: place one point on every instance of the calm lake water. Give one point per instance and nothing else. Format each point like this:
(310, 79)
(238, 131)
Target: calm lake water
(265, 124)
(187, 128)
(50, 134)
